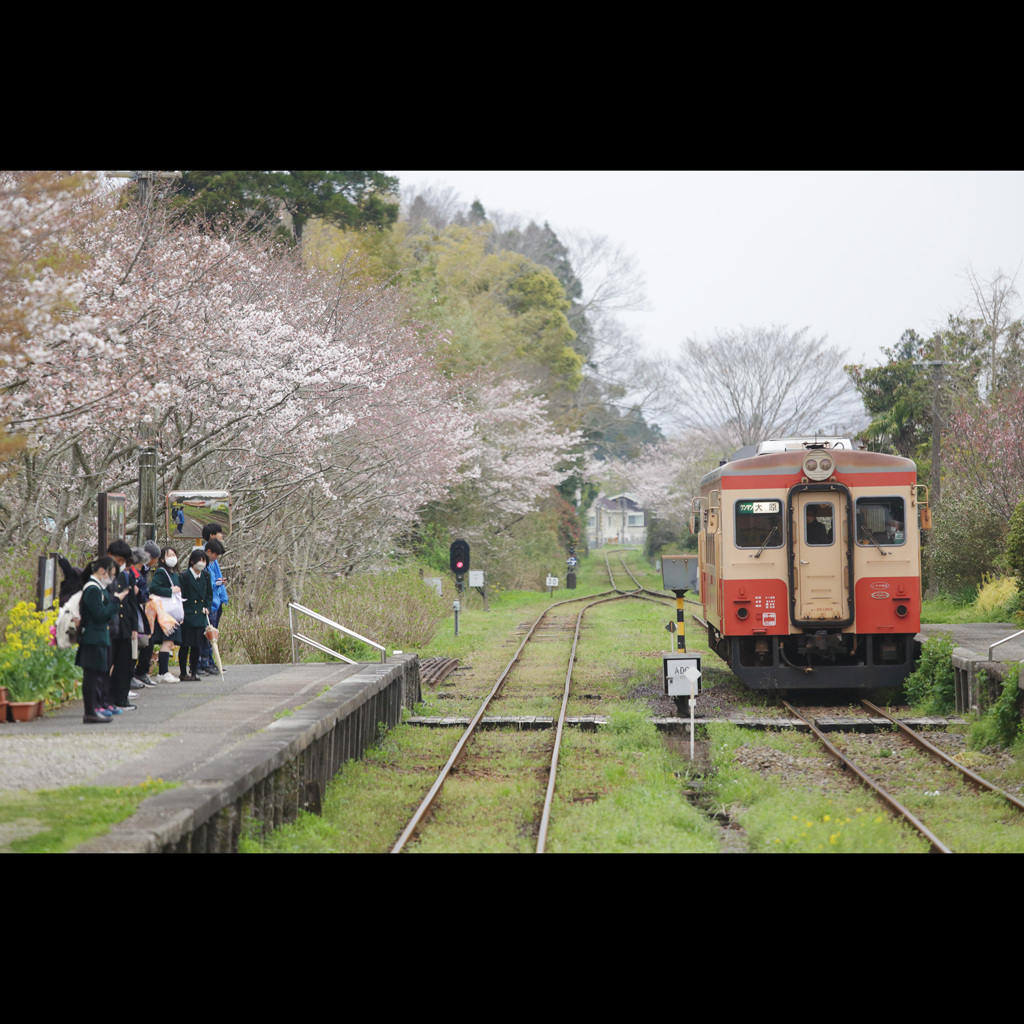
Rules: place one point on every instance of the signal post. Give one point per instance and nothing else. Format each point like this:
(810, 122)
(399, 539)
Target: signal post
(679, 573)
(458, 562)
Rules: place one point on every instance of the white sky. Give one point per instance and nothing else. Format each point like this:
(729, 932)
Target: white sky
(858, 256)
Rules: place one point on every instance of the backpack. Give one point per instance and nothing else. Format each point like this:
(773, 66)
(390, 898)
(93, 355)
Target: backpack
(69, 620)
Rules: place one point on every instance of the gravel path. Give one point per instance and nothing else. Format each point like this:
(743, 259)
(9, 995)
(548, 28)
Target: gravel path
(47, 762)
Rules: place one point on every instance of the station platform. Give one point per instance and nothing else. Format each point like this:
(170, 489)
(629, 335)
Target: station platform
(978, 636)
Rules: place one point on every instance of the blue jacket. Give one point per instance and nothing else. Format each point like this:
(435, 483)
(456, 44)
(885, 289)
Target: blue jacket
(220, 592)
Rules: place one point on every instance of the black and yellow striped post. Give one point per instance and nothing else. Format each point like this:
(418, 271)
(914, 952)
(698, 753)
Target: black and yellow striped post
(681, 621)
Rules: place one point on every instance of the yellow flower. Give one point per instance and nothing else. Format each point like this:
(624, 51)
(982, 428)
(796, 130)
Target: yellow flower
(828, 817)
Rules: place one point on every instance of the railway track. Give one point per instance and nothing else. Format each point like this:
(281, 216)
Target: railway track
(897, 808)
(421, 817)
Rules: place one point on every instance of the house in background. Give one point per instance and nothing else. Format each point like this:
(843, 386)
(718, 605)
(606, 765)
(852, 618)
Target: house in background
(616, 519)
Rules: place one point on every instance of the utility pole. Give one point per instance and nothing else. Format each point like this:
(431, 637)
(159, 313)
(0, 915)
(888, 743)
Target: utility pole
(935, 488)
(146, 529)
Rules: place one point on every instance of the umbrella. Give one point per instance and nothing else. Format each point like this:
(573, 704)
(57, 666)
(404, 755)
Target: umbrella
(212, 633)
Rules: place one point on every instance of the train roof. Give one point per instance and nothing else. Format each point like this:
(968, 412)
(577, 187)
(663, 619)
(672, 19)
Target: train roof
(799, 444)
(789, 461)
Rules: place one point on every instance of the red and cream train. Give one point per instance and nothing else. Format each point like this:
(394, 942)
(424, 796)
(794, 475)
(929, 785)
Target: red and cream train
(810, 564)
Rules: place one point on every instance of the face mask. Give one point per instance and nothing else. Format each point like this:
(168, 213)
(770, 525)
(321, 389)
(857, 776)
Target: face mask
(200, 566)
(171, 561)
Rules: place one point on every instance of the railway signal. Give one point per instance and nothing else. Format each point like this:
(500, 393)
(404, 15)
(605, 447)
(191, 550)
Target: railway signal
(458, 557)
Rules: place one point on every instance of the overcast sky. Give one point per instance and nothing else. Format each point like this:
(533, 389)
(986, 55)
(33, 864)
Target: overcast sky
(858, 256)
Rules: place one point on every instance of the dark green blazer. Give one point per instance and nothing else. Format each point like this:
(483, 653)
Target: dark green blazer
(196, 594)
(162, 581)
(98, 607)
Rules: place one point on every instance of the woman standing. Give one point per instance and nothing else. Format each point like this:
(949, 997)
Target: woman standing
(98, 607)
(164, 584)
(197, 596)
(125, 632)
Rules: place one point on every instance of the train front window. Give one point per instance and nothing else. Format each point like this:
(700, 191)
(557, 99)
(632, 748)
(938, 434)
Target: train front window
(881, 521)
(819, 521)
(758, 523)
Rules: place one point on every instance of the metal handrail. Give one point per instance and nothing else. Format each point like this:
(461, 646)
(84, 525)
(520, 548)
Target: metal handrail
(1003, 641)
(295, 607)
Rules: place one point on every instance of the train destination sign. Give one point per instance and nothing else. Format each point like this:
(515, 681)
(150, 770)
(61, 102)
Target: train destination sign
(758, 507)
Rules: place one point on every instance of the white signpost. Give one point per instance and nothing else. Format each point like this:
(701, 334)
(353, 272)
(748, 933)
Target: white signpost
(682, 679)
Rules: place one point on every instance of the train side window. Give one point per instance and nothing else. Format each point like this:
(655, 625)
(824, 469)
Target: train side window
(758, 523)
(881, 521)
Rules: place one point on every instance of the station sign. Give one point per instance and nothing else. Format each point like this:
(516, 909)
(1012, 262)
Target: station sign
(758, 507)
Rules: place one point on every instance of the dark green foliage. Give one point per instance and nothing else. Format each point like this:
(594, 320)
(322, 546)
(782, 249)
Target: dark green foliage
(1002, 722)
(931, 686)
(898, 396)
(1015, 547)
(254, 199)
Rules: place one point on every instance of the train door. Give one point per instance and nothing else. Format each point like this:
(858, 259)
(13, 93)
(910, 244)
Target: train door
(820, 572)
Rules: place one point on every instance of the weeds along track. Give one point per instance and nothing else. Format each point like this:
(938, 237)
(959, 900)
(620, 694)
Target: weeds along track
(533, 755)
(919, 783)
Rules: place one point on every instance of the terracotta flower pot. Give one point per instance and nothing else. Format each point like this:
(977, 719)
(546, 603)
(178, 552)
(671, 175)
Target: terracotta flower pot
(3, 710)
(24, 710)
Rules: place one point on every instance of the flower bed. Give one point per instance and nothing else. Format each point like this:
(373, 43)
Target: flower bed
(32, 667)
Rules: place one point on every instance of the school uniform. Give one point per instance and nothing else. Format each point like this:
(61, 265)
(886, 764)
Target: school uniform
(196, 594)
(98, 607)
(122, 662)
(160, 586)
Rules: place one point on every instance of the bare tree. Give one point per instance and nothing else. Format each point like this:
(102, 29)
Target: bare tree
(744, 386)
(438, 205)
(998, 302)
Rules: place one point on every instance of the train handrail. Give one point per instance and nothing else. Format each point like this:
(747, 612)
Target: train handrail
(1003, 641)
(293, 606)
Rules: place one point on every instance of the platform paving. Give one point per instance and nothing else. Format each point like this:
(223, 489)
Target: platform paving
(977, 636)
(175, 730)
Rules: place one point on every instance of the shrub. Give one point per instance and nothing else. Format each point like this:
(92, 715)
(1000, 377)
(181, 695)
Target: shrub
(967, 542)
(1015, 550)
(1001, 724)
(263, 640)
(931, 688)
(996, 597)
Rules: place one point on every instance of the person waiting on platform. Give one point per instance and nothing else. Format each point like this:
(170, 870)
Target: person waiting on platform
(197, 596)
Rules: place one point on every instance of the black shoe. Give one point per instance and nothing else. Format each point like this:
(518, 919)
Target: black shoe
(96, 719)
(127, 707)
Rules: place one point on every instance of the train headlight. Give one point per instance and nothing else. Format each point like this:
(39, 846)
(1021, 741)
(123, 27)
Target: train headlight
(818, 467)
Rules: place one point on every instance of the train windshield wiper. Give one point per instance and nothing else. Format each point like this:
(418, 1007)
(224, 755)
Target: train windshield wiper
(771, 533)
(867, 533)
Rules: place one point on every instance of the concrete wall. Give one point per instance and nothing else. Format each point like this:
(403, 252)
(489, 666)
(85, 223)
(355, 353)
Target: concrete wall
(262, 783)
(978, 682)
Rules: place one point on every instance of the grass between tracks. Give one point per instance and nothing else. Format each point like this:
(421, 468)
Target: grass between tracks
(780, 817)
(618, 790)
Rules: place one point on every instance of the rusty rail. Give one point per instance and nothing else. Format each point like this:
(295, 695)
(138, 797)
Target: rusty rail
(937, 845)
(976, 780)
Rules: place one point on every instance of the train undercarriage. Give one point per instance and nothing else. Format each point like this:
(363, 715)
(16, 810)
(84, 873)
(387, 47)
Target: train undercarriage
(818, 659)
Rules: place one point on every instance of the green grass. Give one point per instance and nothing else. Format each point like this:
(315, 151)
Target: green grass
(782, 817)
(620, 791)
(58, 820)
